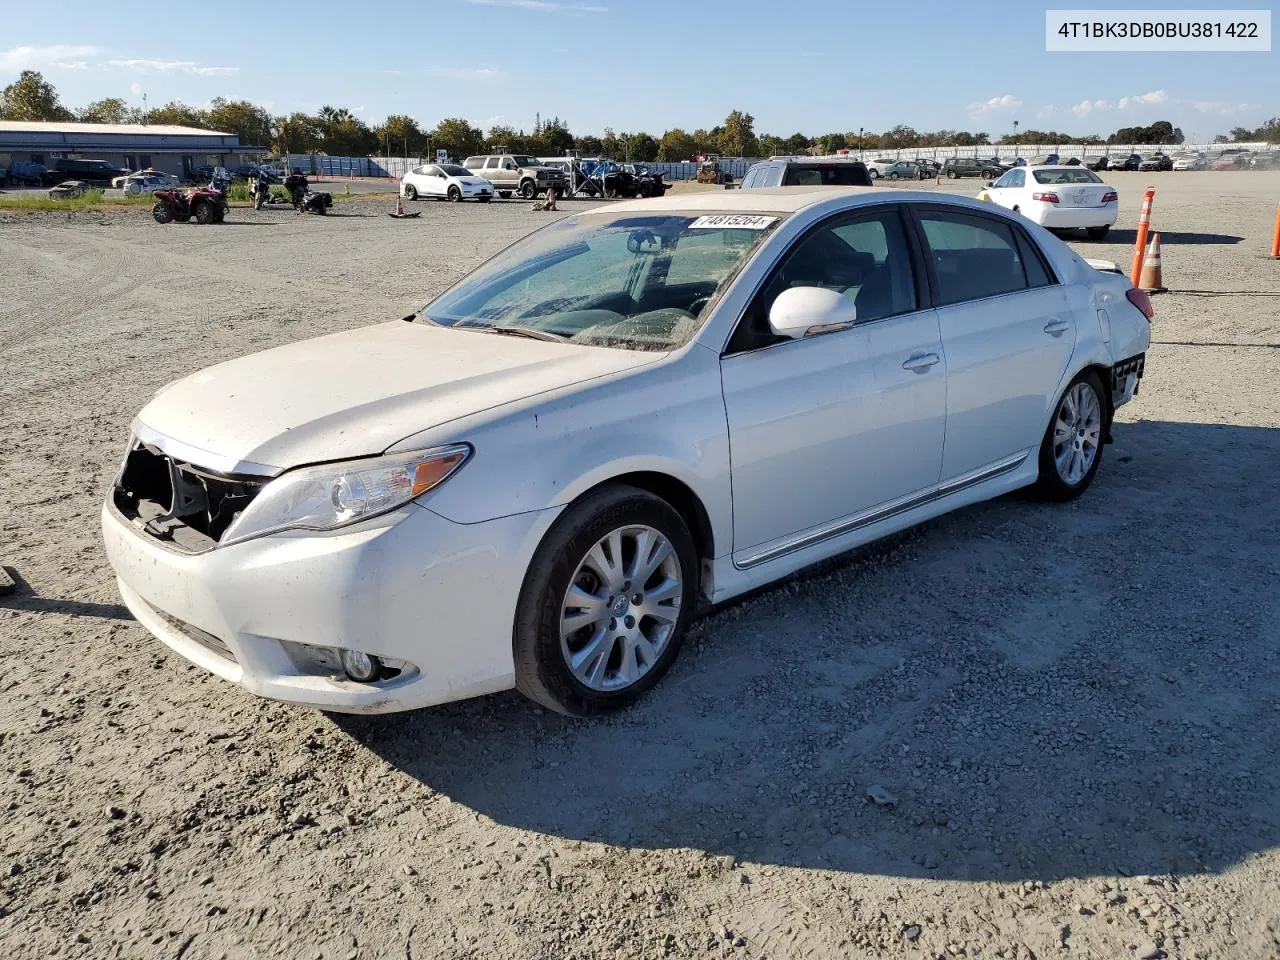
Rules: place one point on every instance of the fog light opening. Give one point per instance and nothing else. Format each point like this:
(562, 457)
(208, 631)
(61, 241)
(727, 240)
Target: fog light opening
(361, 667)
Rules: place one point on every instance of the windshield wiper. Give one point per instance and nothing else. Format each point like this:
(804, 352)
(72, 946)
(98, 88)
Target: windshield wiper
(533, 333)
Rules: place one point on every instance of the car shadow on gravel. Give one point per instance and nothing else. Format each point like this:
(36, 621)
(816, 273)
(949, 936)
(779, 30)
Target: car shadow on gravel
(1046, 692)
(1175, 238)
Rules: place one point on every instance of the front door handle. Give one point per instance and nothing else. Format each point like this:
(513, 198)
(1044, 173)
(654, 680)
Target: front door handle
(1056, 327)
(920, 362)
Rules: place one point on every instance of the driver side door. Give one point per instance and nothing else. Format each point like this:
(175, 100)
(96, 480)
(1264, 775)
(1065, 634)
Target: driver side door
(833, 428)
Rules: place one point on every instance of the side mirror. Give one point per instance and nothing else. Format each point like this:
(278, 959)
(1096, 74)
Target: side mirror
(805, 311)
(991, 183)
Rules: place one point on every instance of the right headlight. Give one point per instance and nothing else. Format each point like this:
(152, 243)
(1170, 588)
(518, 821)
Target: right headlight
(337, 494)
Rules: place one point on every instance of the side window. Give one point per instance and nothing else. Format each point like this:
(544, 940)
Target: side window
(1017, 178)
(492, 163)
(1005, 181)
(973, 257)
(866, 258)
(473, 163)
(419, 171)
(750, 180)
(773, 176)
(1033, 262)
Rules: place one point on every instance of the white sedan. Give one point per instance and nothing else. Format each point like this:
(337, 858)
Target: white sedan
(147, 183)
(447, 180)
(1058, 197)
(539, 478)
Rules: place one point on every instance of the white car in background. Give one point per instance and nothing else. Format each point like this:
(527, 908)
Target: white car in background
(1059, 198)
(148, 182)
(1190, 161)
(445, 180)
(634, 412)
(879, 167)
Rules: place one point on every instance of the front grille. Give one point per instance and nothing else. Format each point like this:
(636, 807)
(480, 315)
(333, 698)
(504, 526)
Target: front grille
(179, 503)
(196, 635)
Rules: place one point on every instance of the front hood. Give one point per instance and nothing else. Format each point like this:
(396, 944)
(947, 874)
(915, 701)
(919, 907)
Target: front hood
(356, 393)
(474, 182)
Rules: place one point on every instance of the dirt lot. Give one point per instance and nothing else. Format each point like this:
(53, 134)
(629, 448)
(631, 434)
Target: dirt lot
(1077, 707)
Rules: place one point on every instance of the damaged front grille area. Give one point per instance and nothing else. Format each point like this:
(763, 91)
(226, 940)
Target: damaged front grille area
(181, 504)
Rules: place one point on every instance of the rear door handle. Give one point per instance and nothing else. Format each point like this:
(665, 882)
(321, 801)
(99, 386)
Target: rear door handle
(920, 362)
(1057, 326)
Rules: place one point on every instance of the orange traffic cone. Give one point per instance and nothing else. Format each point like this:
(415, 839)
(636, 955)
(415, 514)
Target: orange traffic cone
(1151, 280)
(399, 213)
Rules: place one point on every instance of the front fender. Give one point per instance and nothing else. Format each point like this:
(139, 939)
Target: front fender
(664, 417)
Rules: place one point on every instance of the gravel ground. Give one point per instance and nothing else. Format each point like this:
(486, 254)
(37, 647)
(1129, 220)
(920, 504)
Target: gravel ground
(1075, 708)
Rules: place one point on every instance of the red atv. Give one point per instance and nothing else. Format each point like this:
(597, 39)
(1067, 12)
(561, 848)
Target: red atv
(206, 204)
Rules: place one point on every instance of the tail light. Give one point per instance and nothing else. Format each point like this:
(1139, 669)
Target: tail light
(1110, 197)
(1045, 197)
(1140, 300)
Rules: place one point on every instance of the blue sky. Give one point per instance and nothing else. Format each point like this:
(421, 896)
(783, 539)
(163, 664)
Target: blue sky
(814, 67)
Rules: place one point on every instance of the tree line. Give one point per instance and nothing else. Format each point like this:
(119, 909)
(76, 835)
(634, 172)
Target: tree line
(337, 131)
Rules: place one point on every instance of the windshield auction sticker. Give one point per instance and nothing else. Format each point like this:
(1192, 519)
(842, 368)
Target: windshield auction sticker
(733, 221)
(1159, 30)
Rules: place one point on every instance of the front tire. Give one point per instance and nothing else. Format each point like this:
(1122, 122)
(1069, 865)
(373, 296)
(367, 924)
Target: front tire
(204, 212)
(528, 190)
(1071, 450)
(454, 194)
(951, 174)
(873, 173)
(605, 603)
(410, 192)
(162, 213)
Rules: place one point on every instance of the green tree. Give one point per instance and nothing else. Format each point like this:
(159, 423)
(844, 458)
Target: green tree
(796, 144)
(587, 146)
(610, 147)
(403, 135)
(32, 97)
(770, 145)
(177, 114)
(829, 143)
(738, 137)
(296, 133)
(504, 136)
(639, 147)
(343, 134)
(675, 146)
(457, 136)
(110, 110)
(900, 136)
(248, 121)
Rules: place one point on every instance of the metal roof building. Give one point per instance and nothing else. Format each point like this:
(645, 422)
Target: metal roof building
(177, 150)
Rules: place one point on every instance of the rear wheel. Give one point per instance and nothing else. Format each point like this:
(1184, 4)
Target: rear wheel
(1097, 234)
(204, 212)
(454, 194)
(605, 603)
(162, 213)
(1071, 450)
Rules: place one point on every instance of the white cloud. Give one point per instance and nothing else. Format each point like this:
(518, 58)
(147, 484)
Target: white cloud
(542, 6)
(1085, 107)
(148, 65)
(1153, 98)
(64, 55)
(1006, 102)
(1221, 108)
(464, 73)
(497, 120)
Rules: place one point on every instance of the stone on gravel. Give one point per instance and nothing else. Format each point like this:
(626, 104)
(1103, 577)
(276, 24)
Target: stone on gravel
(881, 797)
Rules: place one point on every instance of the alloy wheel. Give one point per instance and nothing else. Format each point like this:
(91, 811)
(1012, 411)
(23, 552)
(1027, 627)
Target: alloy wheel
(621, 608)
(1077, 431)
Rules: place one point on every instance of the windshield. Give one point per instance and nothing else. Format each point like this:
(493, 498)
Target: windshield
(526, 161)
(453, 170)
(637, 282)
(1066, 175)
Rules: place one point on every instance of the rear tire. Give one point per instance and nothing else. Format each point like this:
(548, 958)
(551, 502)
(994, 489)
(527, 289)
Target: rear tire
(1097, 234)
(1071, 450)
(566, 565)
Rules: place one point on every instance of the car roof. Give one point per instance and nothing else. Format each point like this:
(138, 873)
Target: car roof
(766, 200)
(1047, 166)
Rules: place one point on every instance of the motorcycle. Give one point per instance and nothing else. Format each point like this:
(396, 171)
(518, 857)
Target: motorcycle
(261, 190)
(304, 201)
(206, 204)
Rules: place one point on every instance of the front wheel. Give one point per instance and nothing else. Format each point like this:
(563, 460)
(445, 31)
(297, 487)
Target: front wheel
(1071, 450)
(410, 192)
(162, 213)
(528, 190)
(951, 174)
(454, 194)
(1097, 234)
(605, 603)
(205, 213)
(874, 173)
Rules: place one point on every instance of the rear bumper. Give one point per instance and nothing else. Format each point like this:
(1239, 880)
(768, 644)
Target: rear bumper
(1066, 218)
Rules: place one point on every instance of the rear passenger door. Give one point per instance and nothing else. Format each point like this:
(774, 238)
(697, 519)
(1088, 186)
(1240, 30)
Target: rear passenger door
(1007, 333)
